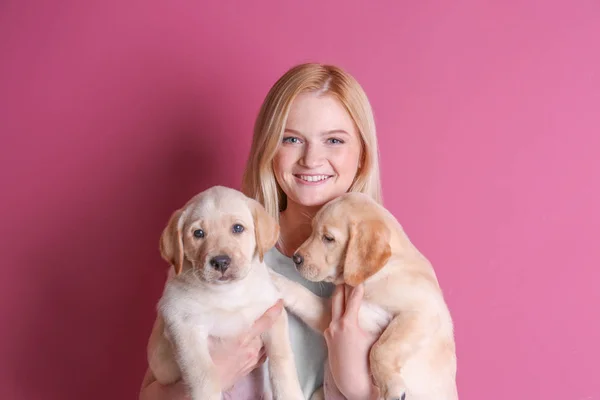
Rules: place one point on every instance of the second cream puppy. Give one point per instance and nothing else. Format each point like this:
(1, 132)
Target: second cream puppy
(357, 241)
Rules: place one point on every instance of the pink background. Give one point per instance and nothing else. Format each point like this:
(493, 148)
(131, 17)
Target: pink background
(113, 113)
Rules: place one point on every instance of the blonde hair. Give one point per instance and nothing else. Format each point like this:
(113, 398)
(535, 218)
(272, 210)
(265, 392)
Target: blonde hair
(259, 180)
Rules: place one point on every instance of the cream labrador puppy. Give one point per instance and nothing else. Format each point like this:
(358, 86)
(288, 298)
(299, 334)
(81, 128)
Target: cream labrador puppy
(357, 241)
(219, 286)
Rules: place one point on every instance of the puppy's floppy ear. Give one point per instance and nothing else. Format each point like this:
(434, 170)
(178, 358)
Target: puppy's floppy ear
(266, 229)
(368, 250)
(171, 242)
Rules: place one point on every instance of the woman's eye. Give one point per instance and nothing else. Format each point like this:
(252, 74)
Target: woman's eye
(199, 233)
(291, 139)
(328, 238)
(335, 141)
(237, 228)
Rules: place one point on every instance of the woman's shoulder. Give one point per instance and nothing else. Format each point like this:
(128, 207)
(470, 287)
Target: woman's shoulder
(284, 265)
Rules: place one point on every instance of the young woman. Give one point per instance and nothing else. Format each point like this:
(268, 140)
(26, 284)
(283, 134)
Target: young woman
(314, 139)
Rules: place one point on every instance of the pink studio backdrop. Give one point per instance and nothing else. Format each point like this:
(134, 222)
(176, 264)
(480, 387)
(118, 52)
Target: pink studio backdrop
(114, 113)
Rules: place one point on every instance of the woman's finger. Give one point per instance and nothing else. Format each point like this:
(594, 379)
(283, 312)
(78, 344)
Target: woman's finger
(262, 359)
(354, 302)
(338, 303)
(265, 322)
(257, 355)
(262, 352)
(252, 364)
(255, 345)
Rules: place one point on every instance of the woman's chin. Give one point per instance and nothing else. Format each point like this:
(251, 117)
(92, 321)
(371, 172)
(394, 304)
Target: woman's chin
(314, 199)
(314, 196)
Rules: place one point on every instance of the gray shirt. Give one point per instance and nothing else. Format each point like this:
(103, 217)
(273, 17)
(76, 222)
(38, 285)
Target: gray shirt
(310, 350)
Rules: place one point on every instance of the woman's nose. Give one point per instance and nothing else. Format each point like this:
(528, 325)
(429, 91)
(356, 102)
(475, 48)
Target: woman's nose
(312, 157)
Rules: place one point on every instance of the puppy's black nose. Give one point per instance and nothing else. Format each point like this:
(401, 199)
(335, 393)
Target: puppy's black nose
(220, 263)
(298, 259)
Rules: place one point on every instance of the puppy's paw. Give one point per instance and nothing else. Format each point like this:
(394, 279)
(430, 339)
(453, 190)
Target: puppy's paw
(277, 278)
(394, 389)
(283, 285)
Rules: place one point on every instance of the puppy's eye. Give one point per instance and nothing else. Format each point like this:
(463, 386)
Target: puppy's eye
(199, 233)
(237, 228)
(328, 239)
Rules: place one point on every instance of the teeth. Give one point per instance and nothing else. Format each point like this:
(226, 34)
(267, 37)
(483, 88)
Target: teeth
(313, 178)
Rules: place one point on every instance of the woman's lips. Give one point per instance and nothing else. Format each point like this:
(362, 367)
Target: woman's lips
(313, 179)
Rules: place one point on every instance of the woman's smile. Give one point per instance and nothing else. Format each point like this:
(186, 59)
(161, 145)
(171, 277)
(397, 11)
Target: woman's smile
(312, 180)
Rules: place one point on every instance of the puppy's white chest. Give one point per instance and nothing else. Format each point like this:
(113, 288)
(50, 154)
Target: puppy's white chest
(373, 318)
(233, 321)
(224, 314)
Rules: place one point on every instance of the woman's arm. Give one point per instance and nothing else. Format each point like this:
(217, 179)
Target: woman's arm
(152, 390)
(348, 347)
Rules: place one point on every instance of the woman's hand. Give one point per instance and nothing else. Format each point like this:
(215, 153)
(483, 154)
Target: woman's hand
(348, 346)
(233, 359)
(236, 358)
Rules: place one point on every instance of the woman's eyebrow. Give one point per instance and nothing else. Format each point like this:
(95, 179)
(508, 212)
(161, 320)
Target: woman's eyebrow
(324, 133)
(335, 131)
(295, 132)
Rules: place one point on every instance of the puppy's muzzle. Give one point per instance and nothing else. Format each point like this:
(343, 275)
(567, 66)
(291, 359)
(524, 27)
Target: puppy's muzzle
(220, 262)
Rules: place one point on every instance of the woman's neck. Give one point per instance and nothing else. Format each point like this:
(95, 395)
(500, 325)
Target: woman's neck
(295, 227)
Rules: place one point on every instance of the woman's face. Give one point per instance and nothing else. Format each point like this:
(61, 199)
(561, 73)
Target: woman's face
(319, 155)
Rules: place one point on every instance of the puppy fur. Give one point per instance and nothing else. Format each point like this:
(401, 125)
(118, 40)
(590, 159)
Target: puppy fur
(357, 241)
(218, 286)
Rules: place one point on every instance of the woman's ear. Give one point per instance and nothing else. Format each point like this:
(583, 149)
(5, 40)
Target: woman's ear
(266, 229)
(171, 242)
(367, 251)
